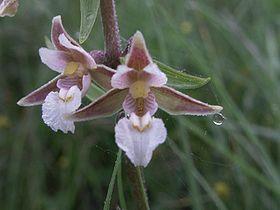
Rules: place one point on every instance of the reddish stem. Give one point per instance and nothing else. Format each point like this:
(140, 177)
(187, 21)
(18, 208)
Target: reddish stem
(111, 32)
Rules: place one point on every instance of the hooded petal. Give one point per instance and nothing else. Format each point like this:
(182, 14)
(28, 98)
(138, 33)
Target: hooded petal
(124, 77)
(78, 54)
(38, 96)
(155, 77)
(138, 56)
(104, 106)
(57, 30)
(54, 59)
(150, 104)
(8, 8)
(54, 109)
(102, 76)
(139, 146)
(177, 103)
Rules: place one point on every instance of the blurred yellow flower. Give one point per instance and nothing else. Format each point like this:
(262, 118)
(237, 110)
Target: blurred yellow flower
(186, 27)
(4, 121)
(222, 189)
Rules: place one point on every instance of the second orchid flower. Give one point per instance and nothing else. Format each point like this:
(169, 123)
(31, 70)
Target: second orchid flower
(140, 88)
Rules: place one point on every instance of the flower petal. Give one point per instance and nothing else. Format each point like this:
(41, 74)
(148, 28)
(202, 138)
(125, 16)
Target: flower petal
(54, 59)
(124, 77)
(102, 76)
(57, 30)
(66, 82)
(78, 54)
(86, 82)
(54, 109)
(139, 146)
(38, 96)
(150, 104)
(73, 99)
(177, 103)
(104, 106)
(156, 78)
(98, 56)
(138, 56)
(8, 8)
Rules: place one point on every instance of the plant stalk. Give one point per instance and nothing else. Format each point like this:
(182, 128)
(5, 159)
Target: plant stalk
(136, 178)
(111, 32)
(113, 53)
(112, 181)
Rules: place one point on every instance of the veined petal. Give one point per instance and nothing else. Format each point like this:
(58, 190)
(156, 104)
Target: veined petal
(102, 76)
(55, 109)
(54, 59)
(8, 8)
(155, 78)
(137, 145)
(57, 30)
(104, 106)
(177, 103)
(124, 77)
(78, 53)
(150, 104)
(138, 56)
(38, 96)
(66, 82)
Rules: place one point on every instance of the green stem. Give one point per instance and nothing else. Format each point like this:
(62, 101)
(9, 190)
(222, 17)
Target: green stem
(140, 176)
(120, 189)
(136, 178)
(112, 181)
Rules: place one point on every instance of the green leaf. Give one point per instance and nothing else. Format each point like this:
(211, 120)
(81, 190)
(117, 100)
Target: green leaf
(112, 181)
(94, 92)
(89, 10)
(181, 80)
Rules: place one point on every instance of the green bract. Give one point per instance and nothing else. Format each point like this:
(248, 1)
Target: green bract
(181, 80)
(89, 10)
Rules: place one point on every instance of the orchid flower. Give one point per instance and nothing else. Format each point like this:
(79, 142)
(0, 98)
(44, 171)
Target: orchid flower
(140, 86)
(62, 95)
(8, 7)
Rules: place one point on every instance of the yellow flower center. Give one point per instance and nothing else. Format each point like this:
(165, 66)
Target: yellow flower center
(68, 99)
(71, 68)
(139, 89)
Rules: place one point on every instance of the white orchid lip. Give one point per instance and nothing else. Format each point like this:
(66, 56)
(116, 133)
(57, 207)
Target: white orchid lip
(58, 105)
(141, 123)
(138, 137)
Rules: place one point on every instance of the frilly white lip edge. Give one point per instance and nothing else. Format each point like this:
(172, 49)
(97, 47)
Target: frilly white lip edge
(57, 105)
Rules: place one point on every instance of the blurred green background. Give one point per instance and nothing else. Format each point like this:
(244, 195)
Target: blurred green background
(201, 165)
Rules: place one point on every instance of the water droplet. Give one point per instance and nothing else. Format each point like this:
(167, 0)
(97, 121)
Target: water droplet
(218, 119)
